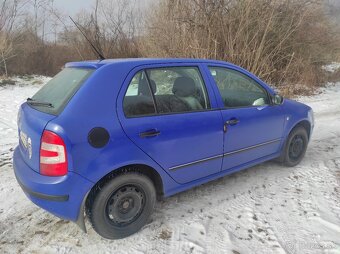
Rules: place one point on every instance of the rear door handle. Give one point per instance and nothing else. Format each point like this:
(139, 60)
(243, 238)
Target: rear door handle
(233, 121)
(149, 133)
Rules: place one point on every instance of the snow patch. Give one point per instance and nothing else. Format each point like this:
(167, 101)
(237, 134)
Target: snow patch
(31, 80)
(333, 67)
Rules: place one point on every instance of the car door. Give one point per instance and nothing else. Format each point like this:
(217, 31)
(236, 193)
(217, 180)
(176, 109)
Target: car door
(166, 110)
(253, 127)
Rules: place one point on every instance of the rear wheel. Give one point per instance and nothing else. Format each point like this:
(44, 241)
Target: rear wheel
(296, 147)
(122, 206)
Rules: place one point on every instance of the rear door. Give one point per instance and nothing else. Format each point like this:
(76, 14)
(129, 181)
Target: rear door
(167, 112)
(253, 127)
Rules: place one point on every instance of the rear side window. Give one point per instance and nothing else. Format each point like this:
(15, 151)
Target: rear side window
(59, 90)
(166, 90)
(138, 100)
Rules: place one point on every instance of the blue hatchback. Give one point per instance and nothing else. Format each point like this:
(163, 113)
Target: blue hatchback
(107, 138)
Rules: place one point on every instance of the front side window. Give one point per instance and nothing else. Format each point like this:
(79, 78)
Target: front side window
(166, 90)
(237, 89)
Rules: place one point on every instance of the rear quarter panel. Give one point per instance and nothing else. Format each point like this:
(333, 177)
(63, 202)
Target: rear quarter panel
(31, 123)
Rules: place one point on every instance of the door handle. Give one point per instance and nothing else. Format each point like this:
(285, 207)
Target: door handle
(149, 133)
(232, 121)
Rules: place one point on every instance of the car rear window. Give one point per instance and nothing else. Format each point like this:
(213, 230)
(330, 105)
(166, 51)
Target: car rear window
(59, 90)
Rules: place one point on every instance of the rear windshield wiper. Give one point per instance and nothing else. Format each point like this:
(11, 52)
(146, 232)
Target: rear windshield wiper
(39, 103)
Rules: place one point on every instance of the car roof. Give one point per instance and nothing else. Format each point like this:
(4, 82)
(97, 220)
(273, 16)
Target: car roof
(141, 61)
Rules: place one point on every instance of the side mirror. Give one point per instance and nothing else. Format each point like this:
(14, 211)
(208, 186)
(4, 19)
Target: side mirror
(277, 99)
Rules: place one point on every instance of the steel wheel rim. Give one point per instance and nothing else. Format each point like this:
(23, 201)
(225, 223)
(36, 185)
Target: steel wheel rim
(296, 147)
(125, 205)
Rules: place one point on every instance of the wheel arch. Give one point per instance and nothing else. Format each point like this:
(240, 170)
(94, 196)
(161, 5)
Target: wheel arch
(303, 123)
(144, 169)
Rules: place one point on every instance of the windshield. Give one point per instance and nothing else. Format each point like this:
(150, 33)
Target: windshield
(59, 90)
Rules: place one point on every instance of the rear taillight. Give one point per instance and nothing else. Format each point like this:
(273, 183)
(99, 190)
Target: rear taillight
(53, 159)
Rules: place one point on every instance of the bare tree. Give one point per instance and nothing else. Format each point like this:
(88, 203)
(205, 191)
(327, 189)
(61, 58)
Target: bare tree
(282, 41)
(111, 26)
(277, 40)
(8, 13)
(6, 52)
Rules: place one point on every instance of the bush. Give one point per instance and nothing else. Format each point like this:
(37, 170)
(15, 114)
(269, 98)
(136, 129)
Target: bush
(283, 42)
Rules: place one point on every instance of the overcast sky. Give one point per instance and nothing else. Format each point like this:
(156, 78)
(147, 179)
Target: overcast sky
(73, 6)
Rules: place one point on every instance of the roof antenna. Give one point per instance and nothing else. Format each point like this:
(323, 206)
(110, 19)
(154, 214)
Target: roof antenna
(88, 40)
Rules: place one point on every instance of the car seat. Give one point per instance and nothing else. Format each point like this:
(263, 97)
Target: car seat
(185, 89)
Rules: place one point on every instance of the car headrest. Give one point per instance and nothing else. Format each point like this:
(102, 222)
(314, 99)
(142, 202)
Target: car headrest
(184, 87)
(144, 88)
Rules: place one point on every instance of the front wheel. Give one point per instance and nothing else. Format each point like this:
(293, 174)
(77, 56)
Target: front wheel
(122, 206)
(296, 147)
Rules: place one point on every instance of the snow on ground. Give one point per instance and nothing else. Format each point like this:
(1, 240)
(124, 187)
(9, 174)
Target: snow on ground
(265, 209)
(333, 67)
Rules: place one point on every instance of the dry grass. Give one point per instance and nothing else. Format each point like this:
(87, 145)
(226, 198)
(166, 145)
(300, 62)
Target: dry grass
(165, 234)
(282, 42)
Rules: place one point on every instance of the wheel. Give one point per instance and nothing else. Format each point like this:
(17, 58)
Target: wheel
(296, 147)
(122, 206)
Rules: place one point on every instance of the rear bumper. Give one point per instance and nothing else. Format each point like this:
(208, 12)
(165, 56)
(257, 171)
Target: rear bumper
(61, 196)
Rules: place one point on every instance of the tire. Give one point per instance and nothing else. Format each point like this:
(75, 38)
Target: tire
(122, 206)
(295, 147)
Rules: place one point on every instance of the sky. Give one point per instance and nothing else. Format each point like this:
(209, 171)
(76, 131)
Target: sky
(73, 6)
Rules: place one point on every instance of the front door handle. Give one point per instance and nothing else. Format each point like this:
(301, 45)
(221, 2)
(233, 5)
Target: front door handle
(149, 133)
(232, 121)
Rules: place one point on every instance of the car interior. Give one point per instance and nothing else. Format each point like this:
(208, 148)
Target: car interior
(185, 95)
(179, 91)
(237, 90)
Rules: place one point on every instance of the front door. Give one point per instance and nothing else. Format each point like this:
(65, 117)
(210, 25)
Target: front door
(166, 111)
(253, 126)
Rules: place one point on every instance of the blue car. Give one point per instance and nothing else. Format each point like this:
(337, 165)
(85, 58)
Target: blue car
(106, 139)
